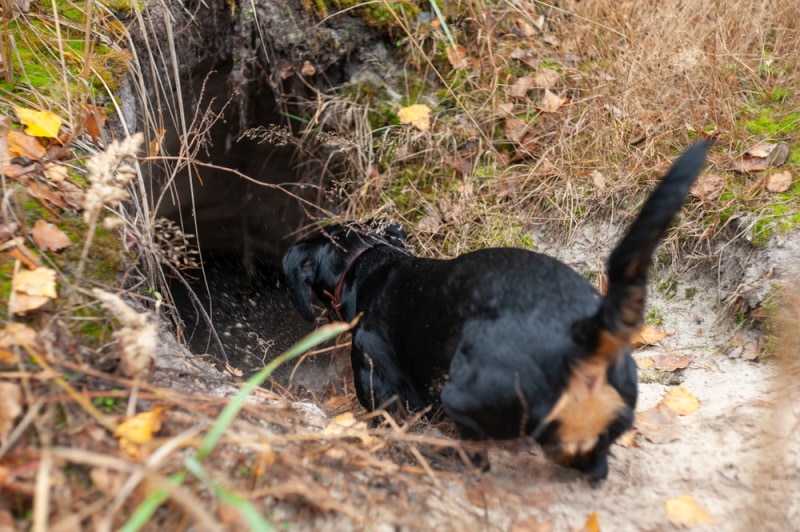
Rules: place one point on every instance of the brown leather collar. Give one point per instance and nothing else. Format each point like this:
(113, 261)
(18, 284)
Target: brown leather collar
(336, 297)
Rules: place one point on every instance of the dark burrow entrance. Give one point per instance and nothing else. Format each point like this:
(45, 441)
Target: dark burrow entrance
(233, 108)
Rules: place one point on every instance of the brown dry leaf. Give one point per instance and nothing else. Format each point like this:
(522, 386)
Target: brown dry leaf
(531, 524)
(33, 289)
(598, 180)
(708, 186)
(25, 256)
(458, 57)
(106, 480)
(11, 335)
(418, 115)
(71, 194)
(681, 401)
(347, 425)
(94, 122)
(546, 169)
(779, 182)
(546, 78)
(521, 87)
(644, 362)
(752, 351)
(514, 128)
(761, 156)
(628, 439)
(592, 523)
(155, 145)
(686, 512)
(648, 335)
(25, 145)
(551, 102)
(42, 192)
(48, 237)
(658, 424)
(10, 406)
(55, 172)
(138, 430)
(479, 495)
(526, 56)
(39, 123)
(15, 171)
(671, 362)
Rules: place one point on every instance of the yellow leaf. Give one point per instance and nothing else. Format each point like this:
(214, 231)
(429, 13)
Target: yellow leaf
(684, 511)
(418, 115)
(681, 401)
(138, 430)
(39, 123)
(33, 289)
(647, 336)
(347, 425)
(21, 144)
(592, 523)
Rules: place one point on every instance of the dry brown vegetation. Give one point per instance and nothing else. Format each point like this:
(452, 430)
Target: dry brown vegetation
(634, 83)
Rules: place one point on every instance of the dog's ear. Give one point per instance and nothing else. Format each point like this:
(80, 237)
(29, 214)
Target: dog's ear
(299, 267)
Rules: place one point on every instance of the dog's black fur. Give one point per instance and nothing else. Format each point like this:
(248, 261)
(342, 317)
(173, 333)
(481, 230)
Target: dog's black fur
(527, 346)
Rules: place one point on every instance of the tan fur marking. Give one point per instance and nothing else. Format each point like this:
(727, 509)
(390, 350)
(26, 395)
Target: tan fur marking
(589, 404)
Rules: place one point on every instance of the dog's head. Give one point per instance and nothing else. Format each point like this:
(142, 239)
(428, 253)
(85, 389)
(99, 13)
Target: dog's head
(317, 263)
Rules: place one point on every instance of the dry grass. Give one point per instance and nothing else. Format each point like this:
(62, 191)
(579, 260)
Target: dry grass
(639, 79)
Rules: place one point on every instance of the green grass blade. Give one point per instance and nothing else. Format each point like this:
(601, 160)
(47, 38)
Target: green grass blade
(323, 334)
(254, 519)
(443, 22)
(146, 510)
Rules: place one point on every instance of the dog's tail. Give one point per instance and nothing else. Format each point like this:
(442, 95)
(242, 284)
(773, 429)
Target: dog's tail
(622, 310)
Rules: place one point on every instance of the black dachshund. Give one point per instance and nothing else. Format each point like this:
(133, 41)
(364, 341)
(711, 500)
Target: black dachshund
(522, 344)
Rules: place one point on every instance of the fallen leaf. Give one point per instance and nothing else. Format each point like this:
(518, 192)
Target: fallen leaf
(418, 115)
(106, 480)
(138, 430)
(526, 56)
(48, 237)
(627, 439)
(546, 78)
(671, 362)
(752, 351)
(49, 197)
(545, 169)
(592, 523)
(55, 172)
(779, 182)
(15, 171)
(551, 102)
(348, 426)
(681, 401)
(761, 156)
(686, 512)
(521, 87)
(658, 424)
(648, 335)
(154, 147)
(644, 362)
(25, 256)
(526, 147)
(94, 122)
(598, 180)
(479, 495)
(72, 195)
(25, 145)
(33, 289)
(514, 128)
(39, 123)
(458, 57)
(708, 186)
(14, 334)
(10, 407)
